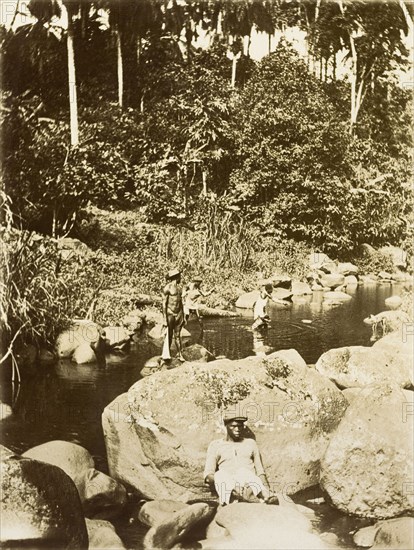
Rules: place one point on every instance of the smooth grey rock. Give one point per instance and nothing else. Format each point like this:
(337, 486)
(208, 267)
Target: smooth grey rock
(74, 460)
(254, 526)
(156, 511)
(82, 332)
(102, 497)
(40, 506)
(369, 459)
(393, 302)
(395, 534)
(357, 366)
(83, 355)
(365, 537)
(102, 534)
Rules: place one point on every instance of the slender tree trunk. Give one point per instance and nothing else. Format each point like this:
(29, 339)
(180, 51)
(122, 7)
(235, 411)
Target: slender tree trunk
(73, 100)
(120, 66)
(233, 71)
(204, 177)
(407, 15)
(16, 11)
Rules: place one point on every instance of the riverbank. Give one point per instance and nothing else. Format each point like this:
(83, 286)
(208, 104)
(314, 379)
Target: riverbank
(129, 258)
(115, 258)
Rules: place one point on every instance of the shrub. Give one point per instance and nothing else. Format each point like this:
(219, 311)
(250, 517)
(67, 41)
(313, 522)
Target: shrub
(374, 261)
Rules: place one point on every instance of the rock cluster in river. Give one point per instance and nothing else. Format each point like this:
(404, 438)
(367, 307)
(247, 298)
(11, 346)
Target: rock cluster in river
(47, 491)
(157, 441)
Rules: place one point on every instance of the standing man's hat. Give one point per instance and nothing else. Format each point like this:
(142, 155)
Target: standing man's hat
(230, 415)
(173, 273)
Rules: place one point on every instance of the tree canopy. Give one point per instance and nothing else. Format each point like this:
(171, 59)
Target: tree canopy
(299, 153)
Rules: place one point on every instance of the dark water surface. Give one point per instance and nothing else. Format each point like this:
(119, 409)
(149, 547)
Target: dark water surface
(66, 401)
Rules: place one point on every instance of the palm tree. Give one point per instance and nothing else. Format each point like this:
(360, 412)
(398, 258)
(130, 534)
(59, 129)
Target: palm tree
(236, 20)
(44, 11)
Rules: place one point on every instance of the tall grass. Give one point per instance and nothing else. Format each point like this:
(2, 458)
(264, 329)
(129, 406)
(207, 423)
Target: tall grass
(33, 298)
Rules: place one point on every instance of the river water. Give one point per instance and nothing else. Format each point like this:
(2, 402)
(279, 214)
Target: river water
(65, 401)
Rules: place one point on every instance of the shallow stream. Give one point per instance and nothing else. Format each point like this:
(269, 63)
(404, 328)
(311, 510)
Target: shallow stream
(66, 401)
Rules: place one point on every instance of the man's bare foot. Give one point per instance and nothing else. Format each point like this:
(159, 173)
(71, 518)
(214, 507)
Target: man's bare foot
(249, 496)
(272, 499)
(180, 358)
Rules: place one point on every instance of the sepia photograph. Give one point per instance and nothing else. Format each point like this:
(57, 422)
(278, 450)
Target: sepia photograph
(206, 274)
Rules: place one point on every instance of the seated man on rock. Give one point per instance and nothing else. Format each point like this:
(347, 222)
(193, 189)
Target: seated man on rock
(233, 465)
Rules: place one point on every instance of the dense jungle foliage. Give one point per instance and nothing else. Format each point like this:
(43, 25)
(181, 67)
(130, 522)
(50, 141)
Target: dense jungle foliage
(234, 164)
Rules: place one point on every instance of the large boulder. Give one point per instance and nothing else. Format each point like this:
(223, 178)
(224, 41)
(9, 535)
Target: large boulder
(253, 526)
(206, 311)
(332, 280)
(398, 343)
(350, 280)
(390, 534)
(158, 439)
(281, 281)
(367, 469)
(74, 460)
(395, 534)
(247, 301)
(40, 506)
(102, 534)
(357, 366)
(101, 496)
(81, 332)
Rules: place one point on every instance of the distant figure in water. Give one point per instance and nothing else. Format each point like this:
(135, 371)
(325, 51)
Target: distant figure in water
(261, 319)
(234, 466)
(191, 297)
(173, 313)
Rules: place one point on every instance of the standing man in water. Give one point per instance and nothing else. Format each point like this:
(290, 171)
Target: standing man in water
(234, 466)
(173, 313)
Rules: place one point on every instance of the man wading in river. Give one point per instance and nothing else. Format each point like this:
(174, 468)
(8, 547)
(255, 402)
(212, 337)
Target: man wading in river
(234, 467)
(173, 314)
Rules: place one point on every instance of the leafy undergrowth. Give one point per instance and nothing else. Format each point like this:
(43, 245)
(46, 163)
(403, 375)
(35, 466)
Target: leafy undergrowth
(132, 257)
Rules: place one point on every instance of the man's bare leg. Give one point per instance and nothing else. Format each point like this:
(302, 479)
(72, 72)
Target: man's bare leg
(179, 344)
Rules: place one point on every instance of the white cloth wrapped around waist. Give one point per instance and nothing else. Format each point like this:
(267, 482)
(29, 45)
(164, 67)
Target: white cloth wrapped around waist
(225, 481)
